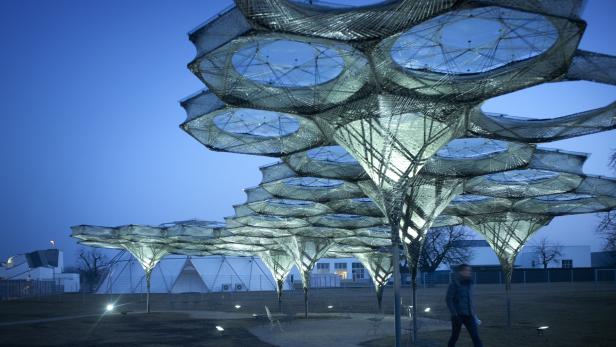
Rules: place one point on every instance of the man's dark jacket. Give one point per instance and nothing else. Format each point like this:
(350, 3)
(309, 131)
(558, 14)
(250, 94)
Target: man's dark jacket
(460, 297)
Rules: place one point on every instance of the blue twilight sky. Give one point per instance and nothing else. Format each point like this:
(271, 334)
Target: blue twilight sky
(90, 119)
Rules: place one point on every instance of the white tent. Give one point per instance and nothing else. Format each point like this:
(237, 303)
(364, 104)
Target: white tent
(181, 274)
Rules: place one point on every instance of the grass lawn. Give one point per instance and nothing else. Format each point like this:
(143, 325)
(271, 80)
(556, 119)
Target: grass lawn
(579, 314)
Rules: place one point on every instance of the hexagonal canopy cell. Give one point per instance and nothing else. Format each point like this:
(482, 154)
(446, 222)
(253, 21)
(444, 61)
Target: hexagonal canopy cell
(566, 203)
(288, 207)
(467, 157)
(362, 205)
(539, 130)
(312, 188)
(471, 148)
(287, 63)
(257, 123)
(313, 182)
(515, 177)
(337, 19)
(523, 183)
(283, 72)
(331, 154)
(345, 4)
(474, 40)
(326, 161)
(244, 130)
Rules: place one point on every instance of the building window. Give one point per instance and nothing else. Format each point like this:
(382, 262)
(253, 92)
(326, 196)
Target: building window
(323, 268)
(358, 271)
(341, 270)
(567, 263)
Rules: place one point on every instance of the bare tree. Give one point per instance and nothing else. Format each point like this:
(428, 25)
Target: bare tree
(607, 230)
(92, 265)
(607, 227)
(443, 245)
(547, 252)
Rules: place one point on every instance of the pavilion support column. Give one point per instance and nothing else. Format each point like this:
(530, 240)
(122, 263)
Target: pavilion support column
(412, 252)
(507, 273)
(395, 249)
(379, 297)
(306, 286)
(148, 278)
(279, 284)
(306, 302)
(414, 300)
(393, 206)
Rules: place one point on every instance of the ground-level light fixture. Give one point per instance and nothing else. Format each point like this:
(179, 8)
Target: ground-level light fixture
(219, 328)
(237, 307)
(109, 307)
(542, 329)
(330, 307)
(427, 309)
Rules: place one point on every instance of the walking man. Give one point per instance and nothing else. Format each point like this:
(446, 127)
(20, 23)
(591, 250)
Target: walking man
(460, 303)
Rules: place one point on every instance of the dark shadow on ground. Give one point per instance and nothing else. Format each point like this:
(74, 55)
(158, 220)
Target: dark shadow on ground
(156, 329)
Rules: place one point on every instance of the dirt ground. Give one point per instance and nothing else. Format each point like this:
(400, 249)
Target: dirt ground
(581, 314)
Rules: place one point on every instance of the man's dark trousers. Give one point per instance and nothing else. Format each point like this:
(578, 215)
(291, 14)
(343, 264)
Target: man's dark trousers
(471, 326)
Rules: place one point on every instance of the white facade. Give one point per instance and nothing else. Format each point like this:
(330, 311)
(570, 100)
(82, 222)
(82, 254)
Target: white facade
(571, 256)
(18, 268)
(574, 256)
(483, 256)
(181, 274)
(328, 272)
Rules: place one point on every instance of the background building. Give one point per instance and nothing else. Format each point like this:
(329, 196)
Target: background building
(36, 273)
(182, 274)
(571, 256)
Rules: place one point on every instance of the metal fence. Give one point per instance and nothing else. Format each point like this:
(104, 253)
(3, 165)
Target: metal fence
(495, 276)
(13, 289)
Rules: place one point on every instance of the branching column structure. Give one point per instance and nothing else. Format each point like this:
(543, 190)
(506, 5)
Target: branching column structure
(148, 256)
(507, 233)
(306, 251)
(300, 212)
(279, 263)
(380, 267)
